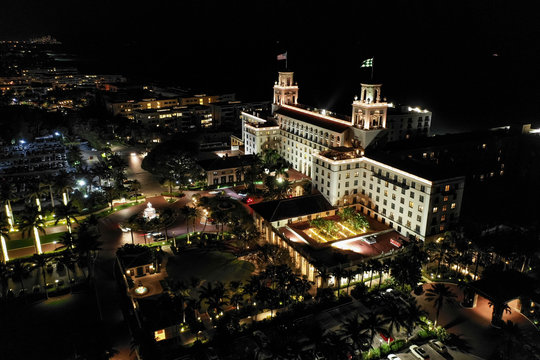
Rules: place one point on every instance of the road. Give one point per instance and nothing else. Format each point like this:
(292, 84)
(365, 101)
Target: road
(473, 325)
(434, 355)
(150, 186)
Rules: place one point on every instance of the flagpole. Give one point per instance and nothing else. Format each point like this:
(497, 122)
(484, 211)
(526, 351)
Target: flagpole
(372, 66)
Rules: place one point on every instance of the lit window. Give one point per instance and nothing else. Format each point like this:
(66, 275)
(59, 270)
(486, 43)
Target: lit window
(411, 204)
(453, 206)
(435, 209)
(444, 208)
(447, 188)
(420, 208)
(445, 198)
(443, 218)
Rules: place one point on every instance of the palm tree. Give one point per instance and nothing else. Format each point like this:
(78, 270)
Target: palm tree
(214, 296)
(111, 193)
(324, 275)
(168, 182)
(440, 294)
(63, 185)
(181, 291)
(413, 315)
(394, 317)
(499, 308)
(47, 181)
(384, 267)
(135, 187)
(102, 171)
(8, 194)
(86, 243)
(512, 336)
(4, 234)
(34, 196)
(189, 213)
(349, 275)
(5, 274)
(67, 240)
(220, 217)
(68, 213)
(338, 273)
(372, 324)
(374, 266)
(66, 259)
(351, 327)
(361, 269)
(252, 286)
(32, 223)
(19, 271)
(41, 262)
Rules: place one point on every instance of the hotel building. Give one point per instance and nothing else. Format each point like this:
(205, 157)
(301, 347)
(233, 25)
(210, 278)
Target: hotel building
(415, 199)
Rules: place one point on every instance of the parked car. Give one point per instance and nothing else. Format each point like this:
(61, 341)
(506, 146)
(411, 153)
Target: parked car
(124, 228)
(387, 338)
(393, 357)
(419, 352)
(36, 289)
(319, 356)
(438, 346)
(158, 236)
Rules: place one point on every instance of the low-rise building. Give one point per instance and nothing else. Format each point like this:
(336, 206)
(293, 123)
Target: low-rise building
(405, 122)
(226, 169)
(288, 224)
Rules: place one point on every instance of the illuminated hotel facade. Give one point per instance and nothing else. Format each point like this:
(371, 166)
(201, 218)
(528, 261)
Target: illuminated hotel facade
(330, 149)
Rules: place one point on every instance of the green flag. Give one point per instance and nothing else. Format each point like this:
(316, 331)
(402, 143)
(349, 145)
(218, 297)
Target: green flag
(367, 63)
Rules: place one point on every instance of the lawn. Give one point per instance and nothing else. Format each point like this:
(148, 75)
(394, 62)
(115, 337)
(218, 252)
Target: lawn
(208, 265)
(45, 239)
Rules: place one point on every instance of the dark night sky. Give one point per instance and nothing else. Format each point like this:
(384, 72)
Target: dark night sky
(437, 54)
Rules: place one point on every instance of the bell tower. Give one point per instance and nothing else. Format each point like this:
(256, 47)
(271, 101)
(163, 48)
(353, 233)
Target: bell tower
(285, 90)
(368, 114)
(368, 111)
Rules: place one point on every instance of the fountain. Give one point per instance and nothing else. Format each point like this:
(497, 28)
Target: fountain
(149, 213)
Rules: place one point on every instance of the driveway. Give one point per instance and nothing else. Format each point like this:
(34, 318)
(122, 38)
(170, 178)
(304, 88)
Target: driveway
(474, 325)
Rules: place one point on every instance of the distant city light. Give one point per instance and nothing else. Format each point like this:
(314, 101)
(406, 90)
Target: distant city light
(81, 182)
(56, 133)
(22, 141)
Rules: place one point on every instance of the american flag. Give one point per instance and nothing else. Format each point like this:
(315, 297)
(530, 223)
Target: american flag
(282, 56)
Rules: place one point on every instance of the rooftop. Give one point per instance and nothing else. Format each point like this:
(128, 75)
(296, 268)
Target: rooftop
(423, 169)
(290, 208)
(313, 118)
(225, 162)
(342, 153)
(350, 251)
